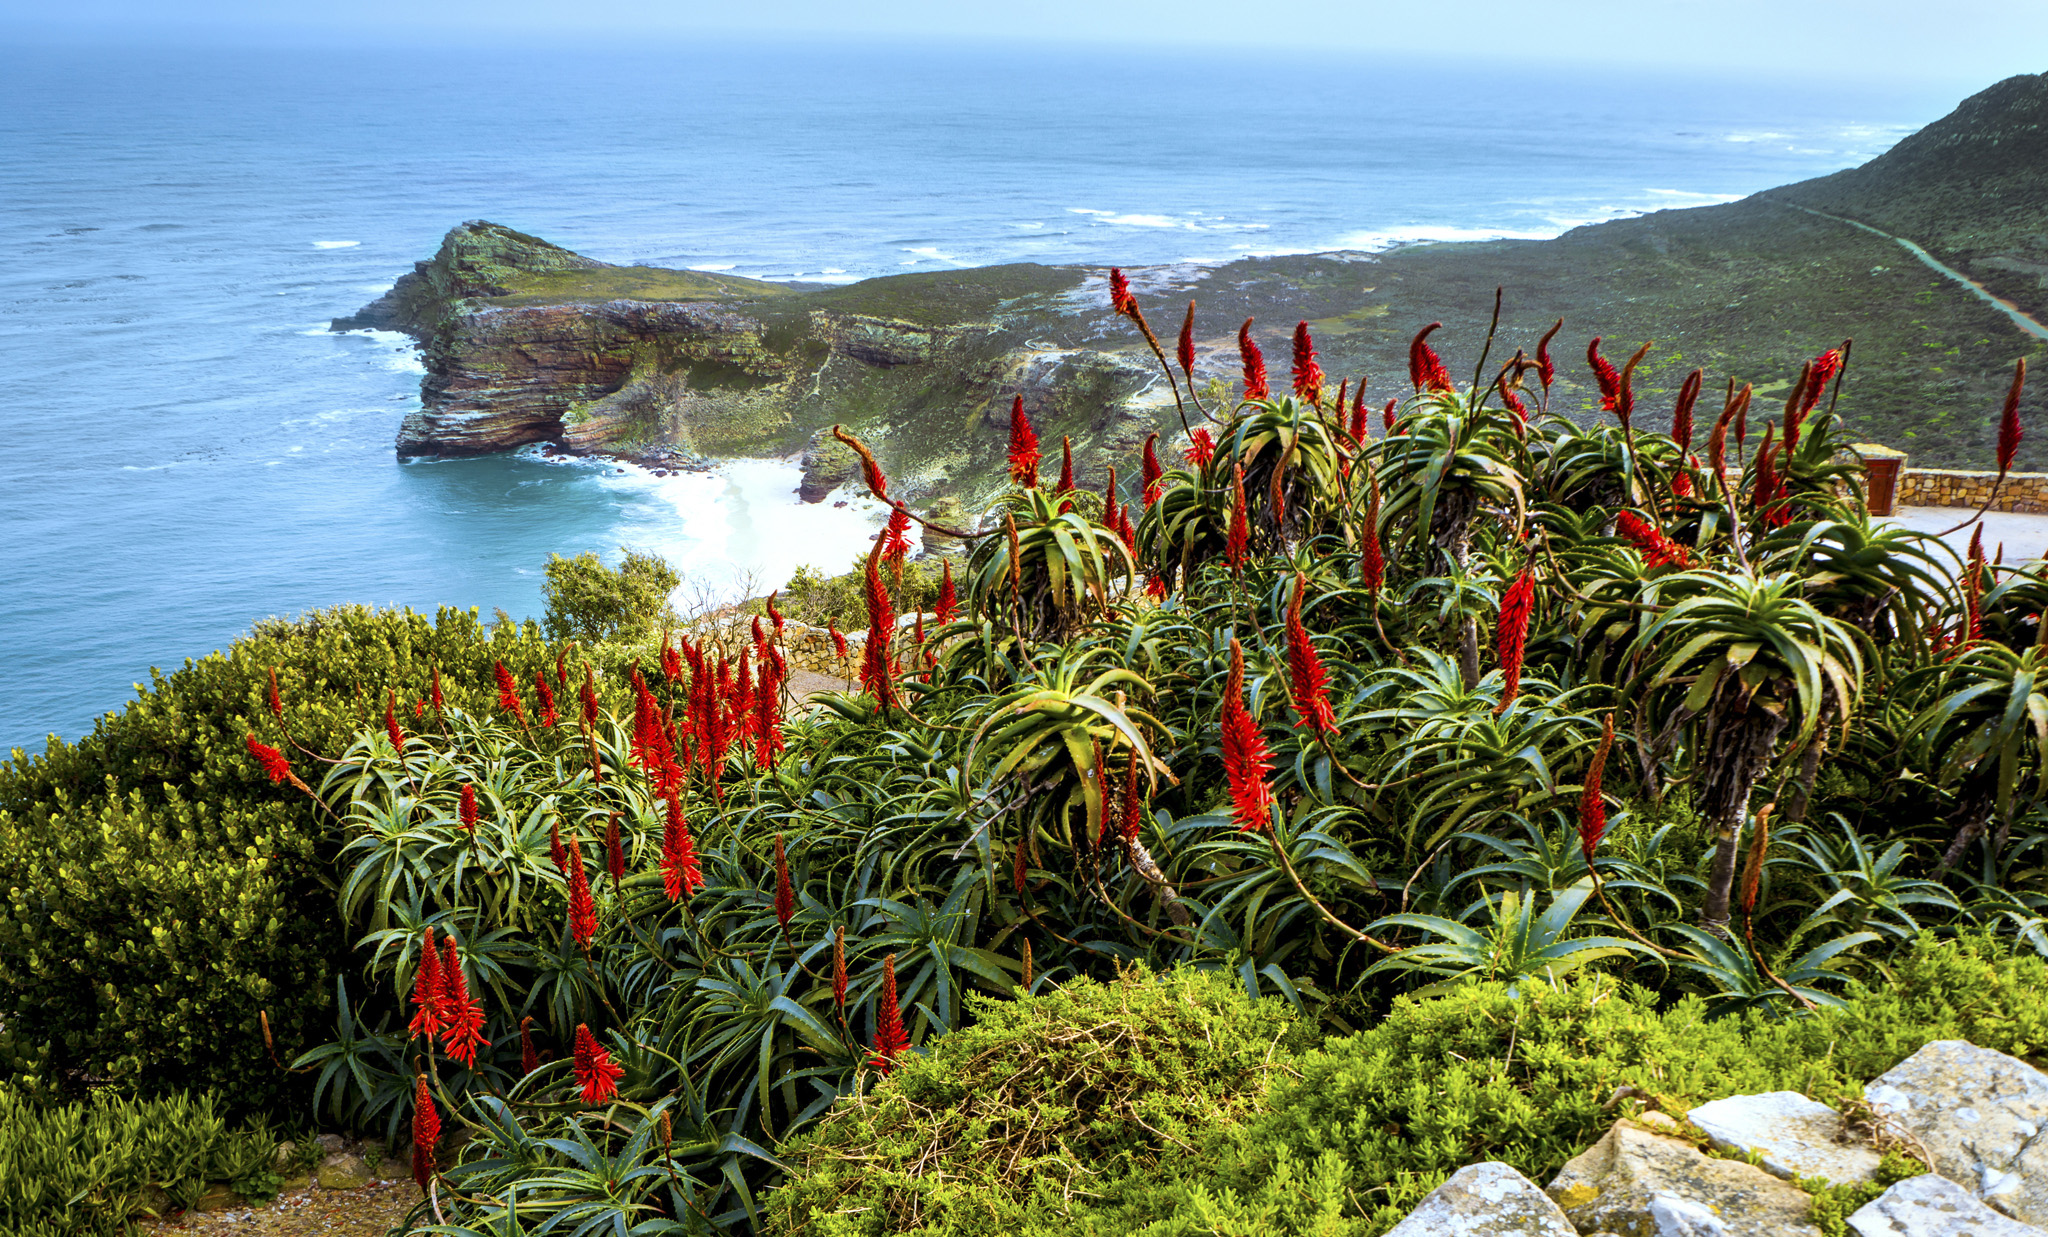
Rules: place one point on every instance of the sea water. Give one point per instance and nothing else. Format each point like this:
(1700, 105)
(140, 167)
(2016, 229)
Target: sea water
(190, 449)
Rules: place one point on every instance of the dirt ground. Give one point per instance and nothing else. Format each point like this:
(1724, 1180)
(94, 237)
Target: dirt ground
(373, 1211)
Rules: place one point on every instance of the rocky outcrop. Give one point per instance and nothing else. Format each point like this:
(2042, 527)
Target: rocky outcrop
(1980, 1115)
(1634, 1181)
(476, 259)
(1486, 1200)
(1932, 1206)
(1791, 1134)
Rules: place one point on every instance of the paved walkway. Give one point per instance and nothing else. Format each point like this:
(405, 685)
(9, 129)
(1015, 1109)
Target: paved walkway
(2025, 537)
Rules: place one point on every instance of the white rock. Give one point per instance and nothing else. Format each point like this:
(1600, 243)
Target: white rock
(1979, 1113)
(1643, 1185)
(1795, 1136)
(1486, 1200)
(1931, 1206)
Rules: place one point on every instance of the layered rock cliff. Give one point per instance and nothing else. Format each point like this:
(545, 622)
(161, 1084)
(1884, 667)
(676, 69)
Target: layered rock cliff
(527, 342)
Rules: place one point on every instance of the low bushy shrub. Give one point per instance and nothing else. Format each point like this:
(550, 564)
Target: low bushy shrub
(589, 601)
(81, 1170)
(813, 597)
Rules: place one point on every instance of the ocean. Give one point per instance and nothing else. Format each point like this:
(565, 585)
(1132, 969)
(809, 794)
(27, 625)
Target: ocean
(191, 449)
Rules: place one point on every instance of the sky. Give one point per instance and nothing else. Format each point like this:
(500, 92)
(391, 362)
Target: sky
(1962, 40)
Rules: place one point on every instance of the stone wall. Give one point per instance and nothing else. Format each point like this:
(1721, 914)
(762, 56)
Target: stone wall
(1947, 487)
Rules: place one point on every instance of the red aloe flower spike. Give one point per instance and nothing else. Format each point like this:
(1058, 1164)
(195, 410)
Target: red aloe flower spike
(1825, 367)
(596, 1074)
(614, 851)
(590, 710)
(775, 615)
(1254, 364)
(1066, 481)
(1109, 499)
(466, 810)
(1126, 531)
(1795, 411)
(1511, 635)
(1681, 483)
(1186, 351)
(1133, 811)
(785, 893)
(529, 1059)
(1023, 447)
(768, 711)
(896, 535)
(871, 472)
(1201, 447)
(1305, 670)
(839, 966)
(1514, 405)
(890, 1037)
(1763, 490)
(426, 989)
(1592, 805)
(1604, 375)
(582, 909)
(1681, 415)
(1372, 563)
(838, 639)
(1120, 298)
(435, 696)
(1387, 413)
(1308, 375)
(547, 698)
(1244, 751)
(1361, 419)
(391, 729)
(462, 1014)
(1973, 587)
(1625, 398)
(948, 607)
(562, 668)
(759, 635)
(556, 851)
(274, 764)
(426, 1134)
(1657, 549)
(671, 663)
(2009, 430)
(1017, 867)
(681, 874)
(1546, 369)
(1240, 530)
(1153, 475)
(508, 693)
(1425, 368)
(1741, 421)
(877, 676)
(276, 700)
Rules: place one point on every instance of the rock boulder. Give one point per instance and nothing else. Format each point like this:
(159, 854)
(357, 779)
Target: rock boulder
(1486, 1200)
(1980, 1115)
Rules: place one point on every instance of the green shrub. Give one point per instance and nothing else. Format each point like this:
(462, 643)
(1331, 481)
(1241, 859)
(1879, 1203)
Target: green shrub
(161, 892)
(85, 1168)
(591, 602)
(813, 597)
(1013, 1123)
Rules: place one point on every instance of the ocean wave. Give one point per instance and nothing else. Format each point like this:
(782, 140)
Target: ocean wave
(1392, 238)
(336, 244)
(714, 266)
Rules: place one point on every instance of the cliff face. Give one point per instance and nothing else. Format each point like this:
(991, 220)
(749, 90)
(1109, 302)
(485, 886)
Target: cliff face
(529, 342)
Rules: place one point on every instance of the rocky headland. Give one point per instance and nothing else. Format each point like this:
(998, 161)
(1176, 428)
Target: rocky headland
(527, 342)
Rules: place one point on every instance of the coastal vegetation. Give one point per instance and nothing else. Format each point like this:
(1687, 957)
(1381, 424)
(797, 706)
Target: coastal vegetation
(1346, 790)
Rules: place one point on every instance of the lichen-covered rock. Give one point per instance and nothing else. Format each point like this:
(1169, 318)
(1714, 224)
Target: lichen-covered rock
(1980, 1115)
(1640, 1184)
(342, 1170)
(1933, 1206)
(1795, 1136)
(1486, 1200)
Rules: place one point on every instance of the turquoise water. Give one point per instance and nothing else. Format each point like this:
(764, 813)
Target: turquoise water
(191, 450)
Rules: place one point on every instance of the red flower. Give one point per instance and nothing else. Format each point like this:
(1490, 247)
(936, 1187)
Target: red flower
(681, 875)
(590, 710)
(890, 1037)
(1066, 481)
(948, 607)
(274, 764)
(562, 668)
(508, 694)
(426, 1134)
(582, 909)
(435, 695)
(391, 730)
(1254, 363)
(877, 676)
(1657, 549)
(1023, 447)
(1305, 669)
(1592, 806)
(1240, 529)
(614, 851)
(896, 535)
(1514, 405)
(1605, 375)
(547, 698)
(529, 1060)
(768, 710)
(1825, 367)
(839, 966)
(1681, 416)
(838, 638)
(1973, 587)
(1681, 484)
(2009, 431)
(595, 1072)
(427, 991)
(462, 1015)
(1201, 447)
(1425, 368)
(1387, 413)
(871, 472)
(1795, 411)
(1511, 634)
(785, 893)
(1546, 369)
(1125, 531)
(466, 810)
(276, 701)
(1186, 352)
(1244, 751)
(1372, 563)
(1109, 500)
(1308, 375)
(1153, 475)
(1120, 298)
(1765, 490)
(556, 851)
(1361, 420)
(775, 615)
(1133, 810)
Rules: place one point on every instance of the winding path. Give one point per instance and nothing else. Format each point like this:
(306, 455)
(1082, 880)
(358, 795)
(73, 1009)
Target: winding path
(2020, 317)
